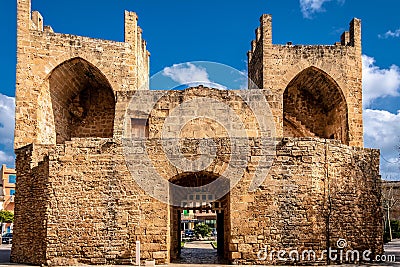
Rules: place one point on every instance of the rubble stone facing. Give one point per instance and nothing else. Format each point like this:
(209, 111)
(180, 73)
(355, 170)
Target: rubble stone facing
(92, 211)
(317, 191)
(78, 203)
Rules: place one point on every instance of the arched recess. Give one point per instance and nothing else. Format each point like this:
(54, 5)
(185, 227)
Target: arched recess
(82, 100)
(314, 105)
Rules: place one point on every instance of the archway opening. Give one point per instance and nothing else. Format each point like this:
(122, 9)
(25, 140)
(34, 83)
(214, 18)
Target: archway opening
(314, 106)
(199, 206)
(83, 101)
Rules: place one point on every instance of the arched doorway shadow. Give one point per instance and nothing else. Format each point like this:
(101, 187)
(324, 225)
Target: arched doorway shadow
(196, 193)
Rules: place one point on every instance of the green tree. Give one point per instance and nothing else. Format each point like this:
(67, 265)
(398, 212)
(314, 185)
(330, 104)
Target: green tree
(6, 216)
(202, 229)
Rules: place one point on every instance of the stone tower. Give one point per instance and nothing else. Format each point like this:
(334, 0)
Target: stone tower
(78, 201)
(319, 86)
(56, 67)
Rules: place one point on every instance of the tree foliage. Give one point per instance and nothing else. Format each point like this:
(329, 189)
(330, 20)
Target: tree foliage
(202, 229)
(6, 216)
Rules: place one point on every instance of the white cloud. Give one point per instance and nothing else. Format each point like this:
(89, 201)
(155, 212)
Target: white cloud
(6, 159)
(390, 33)
(191, 75)
(186, 73)
(309, 7)
(382, 130)
(7, 117)
(377, 82)
(381, 127)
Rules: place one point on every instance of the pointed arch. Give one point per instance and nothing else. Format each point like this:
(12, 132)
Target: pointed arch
(314, 105)
(83, 102)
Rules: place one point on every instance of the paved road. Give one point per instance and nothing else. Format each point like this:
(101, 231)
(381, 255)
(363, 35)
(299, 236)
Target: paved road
(199, 252)
(205, 255)
(5, 251)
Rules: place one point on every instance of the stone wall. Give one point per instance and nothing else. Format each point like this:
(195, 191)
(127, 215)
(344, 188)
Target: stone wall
(84, 208)
(317, 192)
(31, 201)
(92, 211)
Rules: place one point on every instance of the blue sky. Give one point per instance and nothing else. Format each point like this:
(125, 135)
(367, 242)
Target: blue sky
(220, 31)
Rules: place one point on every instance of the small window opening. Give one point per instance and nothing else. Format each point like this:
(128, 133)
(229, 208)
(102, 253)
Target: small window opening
(140, 128)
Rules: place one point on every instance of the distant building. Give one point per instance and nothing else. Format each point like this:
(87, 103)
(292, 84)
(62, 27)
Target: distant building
(8, 178)
(189, 218)
(196, 210)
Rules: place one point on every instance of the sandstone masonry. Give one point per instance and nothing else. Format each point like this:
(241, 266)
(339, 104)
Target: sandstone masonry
(72, 110)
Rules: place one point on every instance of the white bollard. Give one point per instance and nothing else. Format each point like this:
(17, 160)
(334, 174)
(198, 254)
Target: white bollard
(137, 253)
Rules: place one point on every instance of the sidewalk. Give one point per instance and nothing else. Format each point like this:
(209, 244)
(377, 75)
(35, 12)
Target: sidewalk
(393, 248)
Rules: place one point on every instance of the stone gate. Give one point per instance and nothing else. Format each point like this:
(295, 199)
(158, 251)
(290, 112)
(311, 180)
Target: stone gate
(77, 201)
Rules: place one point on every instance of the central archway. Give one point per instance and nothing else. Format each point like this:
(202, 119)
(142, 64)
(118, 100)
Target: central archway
(200, 202)
(314, 105)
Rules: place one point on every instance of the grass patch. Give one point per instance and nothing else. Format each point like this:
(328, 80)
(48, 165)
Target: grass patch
(214, 244)
(182, 244)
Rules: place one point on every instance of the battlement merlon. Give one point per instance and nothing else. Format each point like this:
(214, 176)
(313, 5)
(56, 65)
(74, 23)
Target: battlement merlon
(265, 29)
(27, 20)
(133, 32)
(355, 34)
(23, 16)
(133, 36)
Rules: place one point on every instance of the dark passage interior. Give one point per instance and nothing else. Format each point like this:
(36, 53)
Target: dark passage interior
(199, 207)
